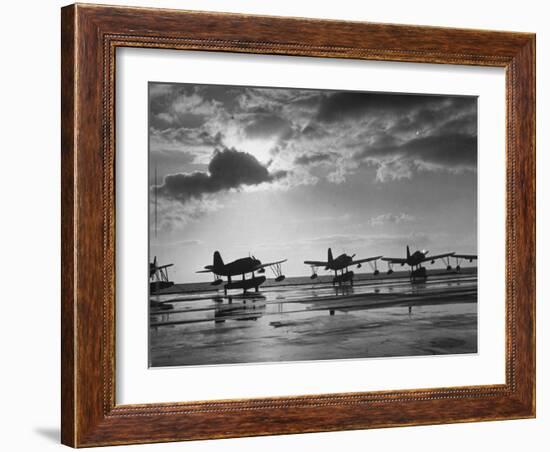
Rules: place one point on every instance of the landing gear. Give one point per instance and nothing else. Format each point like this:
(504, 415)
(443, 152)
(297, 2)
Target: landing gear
(457, 264)
(277, 272)
(313, 273)
(418, 274)
(343, 277)
(374, 268)
(225, 286)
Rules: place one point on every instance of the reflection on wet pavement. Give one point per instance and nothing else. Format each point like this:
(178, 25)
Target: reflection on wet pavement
(373, 318)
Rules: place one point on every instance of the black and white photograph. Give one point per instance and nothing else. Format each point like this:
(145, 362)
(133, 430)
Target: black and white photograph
(275, 226)
(293, 224)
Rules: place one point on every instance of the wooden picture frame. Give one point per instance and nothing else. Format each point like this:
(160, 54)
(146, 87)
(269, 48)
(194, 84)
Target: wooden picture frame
(90, 36)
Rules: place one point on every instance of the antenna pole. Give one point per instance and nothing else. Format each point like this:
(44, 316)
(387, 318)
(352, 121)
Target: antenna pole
(156, 195)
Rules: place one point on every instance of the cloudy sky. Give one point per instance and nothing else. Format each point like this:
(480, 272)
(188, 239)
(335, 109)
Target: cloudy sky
(285, 173)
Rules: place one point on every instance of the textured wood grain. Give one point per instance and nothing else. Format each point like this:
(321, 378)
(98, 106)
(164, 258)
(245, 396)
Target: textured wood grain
(68, 310)
(90, 36)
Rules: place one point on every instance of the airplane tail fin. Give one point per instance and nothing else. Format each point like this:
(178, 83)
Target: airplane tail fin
(329, 259)
(408, 253)
(218, 261)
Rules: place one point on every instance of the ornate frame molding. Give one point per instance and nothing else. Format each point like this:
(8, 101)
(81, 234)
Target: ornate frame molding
(90, 37)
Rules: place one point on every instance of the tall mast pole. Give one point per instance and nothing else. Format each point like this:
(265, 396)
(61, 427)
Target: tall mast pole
(156, 195)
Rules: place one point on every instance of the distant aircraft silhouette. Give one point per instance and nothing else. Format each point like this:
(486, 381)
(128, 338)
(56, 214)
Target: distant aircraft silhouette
(416, 259)
(341, 263)
(158, 276)
(242, 267)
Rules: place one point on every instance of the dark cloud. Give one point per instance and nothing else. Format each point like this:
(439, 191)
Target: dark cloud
(228, 169)
(344, 105)
(259, 110)
(225, 95)
(407, 111)
(439, 135)
(309, 159)
(314, 131)
(382, 144)
(266, 125)
(447, 150)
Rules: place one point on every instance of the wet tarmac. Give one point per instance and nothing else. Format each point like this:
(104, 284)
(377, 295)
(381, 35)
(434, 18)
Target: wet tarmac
(312, 320)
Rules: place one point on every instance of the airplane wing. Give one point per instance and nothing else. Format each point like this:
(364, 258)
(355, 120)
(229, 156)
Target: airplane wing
(394, 260)
(269, 264)
(437, 256)
(368, 259)
(316, 263)
(466, 256)
(204, 271)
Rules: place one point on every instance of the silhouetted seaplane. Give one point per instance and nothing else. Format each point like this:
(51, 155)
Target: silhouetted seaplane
(158, 276)
(416, 259)
(341, 263)
(242, 267)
